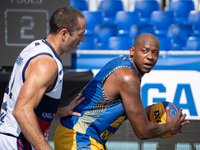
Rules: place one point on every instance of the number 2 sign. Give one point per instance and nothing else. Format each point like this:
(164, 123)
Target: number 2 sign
(22, 26)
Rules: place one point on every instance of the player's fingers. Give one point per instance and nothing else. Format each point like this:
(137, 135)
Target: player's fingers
(80, 100)
(148, 108)
(184, 123)
(76, 114)
(182, 118)
(167, 111)
(180, 113)
(76, 101)
(78, 97)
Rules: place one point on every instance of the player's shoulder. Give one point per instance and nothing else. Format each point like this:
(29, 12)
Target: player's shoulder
(44, 63)
(126, 73)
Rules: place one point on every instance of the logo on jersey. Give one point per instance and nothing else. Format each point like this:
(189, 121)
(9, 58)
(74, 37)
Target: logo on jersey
(48, 115)
(36, 44)
(19, 60)
(3, 114)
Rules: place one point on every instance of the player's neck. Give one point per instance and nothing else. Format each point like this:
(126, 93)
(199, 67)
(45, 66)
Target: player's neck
(55, 43)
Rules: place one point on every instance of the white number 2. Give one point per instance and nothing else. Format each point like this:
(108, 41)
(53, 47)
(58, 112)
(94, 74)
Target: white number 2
(23, 35)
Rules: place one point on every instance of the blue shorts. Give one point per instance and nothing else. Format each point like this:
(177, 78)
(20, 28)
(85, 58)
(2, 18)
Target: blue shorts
(68, 139)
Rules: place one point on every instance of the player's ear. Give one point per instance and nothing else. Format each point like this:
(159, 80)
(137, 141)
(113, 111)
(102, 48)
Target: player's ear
(64, 32)
(132, 49)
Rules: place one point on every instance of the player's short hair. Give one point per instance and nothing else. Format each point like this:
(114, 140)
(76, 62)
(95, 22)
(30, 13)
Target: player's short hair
(65, 17)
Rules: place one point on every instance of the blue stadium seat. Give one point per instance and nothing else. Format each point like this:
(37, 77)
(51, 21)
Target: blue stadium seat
(135, 30)
(79, 4)
(161, 20)
(146, 7)
(110, 8)
(92, 19)
(89, 43)
(165, 43)
(192, 43)
(146, 29)
(179, 34)
(119, 43)
(181, 9)
(194, 20)
(125, 19)
(102, 33)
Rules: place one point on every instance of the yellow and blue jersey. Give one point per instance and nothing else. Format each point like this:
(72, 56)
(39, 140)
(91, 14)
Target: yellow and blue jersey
(100, 117)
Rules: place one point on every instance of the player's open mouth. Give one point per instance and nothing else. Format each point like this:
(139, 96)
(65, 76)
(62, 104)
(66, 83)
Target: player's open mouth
(148, 65)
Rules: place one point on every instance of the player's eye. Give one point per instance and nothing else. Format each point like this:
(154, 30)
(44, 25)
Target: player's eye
(144, 51)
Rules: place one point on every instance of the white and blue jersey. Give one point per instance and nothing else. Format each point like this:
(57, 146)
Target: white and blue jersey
(48, 106)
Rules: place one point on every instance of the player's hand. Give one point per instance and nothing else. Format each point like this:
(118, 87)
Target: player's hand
(175, 123)
(68, 110)
(74, 104)
(148, 108)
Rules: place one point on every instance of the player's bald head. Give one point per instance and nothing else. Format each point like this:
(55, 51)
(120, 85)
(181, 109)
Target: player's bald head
(144, 38)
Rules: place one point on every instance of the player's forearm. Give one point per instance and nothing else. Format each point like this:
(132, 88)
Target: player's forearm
(155, 130)
(150, 130)
(31, 130)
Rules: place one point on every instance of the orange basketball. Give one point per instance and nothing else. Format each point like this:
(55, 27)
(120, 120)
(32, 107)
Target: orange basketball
(157, 114)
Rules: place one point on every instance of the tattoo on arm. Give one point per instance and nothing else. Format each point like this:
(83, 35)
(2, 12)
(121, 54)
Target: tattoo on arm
(133, 89)
(120, 79)
(134, 93)
(160, 130)
(129, 108)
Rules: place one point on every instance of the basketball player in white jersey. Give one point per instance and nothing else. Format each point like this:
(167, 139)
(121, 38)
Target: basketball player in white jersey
(32, 96)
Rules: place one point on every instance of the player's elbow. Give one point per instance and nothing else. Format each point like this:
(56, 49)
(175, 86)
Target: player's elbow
(16, 113)
(142, 135)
